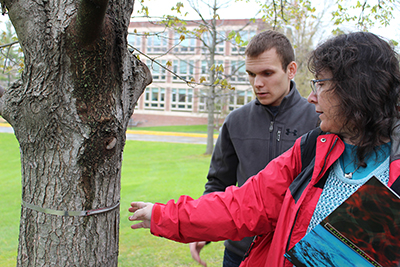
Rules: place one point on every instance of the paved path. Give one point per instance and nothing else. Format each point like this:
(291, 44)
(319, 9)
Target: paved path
(138, 135)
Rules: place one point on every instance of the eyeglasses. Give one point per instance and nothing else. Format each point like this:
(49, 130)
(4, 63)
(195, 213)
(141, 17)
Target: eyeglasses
(315, 86)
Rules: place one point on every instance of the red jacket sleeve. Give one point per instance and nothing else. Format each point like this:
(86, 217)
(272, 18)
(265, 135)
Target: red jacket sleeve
(252, 209)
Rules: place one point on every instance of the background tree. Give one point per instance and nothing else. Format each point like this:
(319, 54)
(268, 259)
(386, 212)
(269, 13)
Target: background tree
(205, 26)
(11, 56)
(69, 112)
(210, 37)
(364, 15)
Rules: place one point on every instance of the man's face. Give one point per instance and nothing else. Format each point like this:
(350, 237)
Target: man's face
(269, 81)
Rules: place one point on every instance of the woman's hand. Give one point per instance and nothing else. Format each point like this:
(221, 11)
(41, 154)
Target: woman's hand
(141, 212)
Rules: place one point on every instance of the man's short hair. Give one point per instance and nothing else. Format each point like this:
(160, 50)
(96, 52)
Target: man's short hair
(267, 40)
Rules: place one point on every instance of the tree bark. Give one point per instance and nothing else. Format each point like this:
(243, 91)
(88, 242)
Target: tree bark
(70, 111)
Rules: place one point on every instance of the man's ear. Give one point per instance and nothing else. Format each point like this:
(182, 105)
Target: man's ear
(291, 69)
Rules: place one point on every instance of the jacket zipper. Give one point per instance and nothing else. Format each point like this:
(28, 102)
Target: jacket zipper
(271, 135)
(297, 213)
(277, 143)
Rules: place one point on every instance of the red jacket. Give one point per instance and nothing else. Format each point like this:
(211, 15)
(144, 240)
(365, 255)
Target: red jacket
(264, 206)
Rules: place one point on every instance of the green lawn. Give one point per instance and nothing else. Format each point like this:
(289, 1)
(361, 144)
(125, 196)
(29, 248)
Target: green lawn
(151, 171)
(10, 192)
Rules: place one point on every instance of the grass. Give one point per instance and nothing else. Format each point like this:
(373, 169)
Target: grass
(151, 171)
(10, 192)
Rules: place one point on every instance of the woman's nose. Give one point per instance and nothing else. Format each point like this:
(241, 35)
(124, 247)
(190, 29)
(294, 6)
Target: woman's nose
(312, 98)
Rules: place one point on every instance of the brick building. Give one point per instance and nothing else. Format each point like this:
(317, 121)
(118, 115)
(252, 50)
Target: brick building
(169, 100)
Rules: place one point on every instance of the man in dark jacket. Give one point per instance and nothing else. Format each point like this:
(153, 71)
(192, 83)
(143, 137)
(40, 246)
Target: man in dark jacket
(261, 130)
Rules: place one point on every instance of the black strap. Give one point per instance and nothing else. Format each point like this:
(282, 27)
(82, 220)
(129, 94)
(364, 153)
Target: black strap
(307, 150)
(308, 146)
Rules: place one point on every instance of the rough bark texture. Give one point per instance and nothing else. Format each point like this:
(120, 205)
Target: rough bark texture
(69, 113)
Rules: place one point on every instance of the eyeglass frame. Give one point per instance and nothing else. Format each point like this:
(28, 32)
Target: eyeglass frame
(313, 82)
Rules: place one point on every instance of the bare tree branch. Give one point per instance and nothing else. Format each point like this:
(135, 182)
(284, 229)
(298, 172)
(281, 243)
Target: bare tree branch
(9, 44)
(189, 83)
(361, 16)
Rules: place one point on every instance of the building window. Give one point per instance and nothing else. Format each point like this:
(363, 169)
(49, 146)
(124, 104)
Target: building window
(238, 71)
(154, 98)
(220, 49)
(186, 45)
(219, 101)
(157, 43)
(185, 69)
(159, 73)
(239, 48)
(204, 67)
(220, 43)
(240, 98)
(182, 99)
(202, 100)
(135, 41)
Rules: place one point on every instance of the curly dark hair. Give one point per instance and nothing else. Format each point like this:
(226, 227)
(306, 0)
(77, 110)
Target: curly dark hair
(366, 79)
(267, 40)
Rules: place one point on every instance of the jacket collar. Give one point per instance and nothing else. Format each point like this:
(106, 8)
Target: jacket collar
(289, 100)
(330, 147)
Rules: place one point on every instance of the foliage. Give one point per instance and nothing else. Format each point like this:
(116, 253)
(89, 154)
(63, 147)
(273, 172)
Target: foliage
(279, 13)
(150, 172)
(11, 56)
(363, 14)
(360, 15)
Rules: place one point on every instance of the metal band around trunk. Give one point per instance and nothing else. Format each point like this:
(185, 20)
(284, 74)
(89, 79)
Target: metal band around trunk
(69, 213)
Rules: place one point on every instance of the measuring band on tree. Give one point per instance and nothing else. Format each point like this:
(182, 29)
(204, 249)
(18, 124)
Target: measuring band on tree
(69, 213)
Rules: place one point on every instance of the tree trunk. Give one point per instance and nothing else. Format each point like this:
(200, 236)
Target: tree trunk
(70, 111)
(213, 77)
(210, 120)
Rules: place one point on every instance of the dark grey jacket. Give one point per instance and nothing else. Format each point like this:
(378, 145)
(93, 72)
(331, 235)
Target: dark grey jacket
(250, 138)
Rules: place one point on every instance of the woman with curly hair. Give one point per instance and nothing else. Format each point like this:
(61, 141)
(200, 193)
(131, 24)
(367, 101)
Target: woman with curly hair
(356, 92)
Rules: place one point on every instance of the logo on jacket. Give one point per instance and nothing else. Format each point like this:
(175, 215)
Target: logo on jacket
(288, 132)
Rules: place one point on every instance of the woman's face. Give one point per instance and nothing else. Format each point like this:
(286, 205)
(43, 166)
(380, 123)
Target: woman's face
(327, 105)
